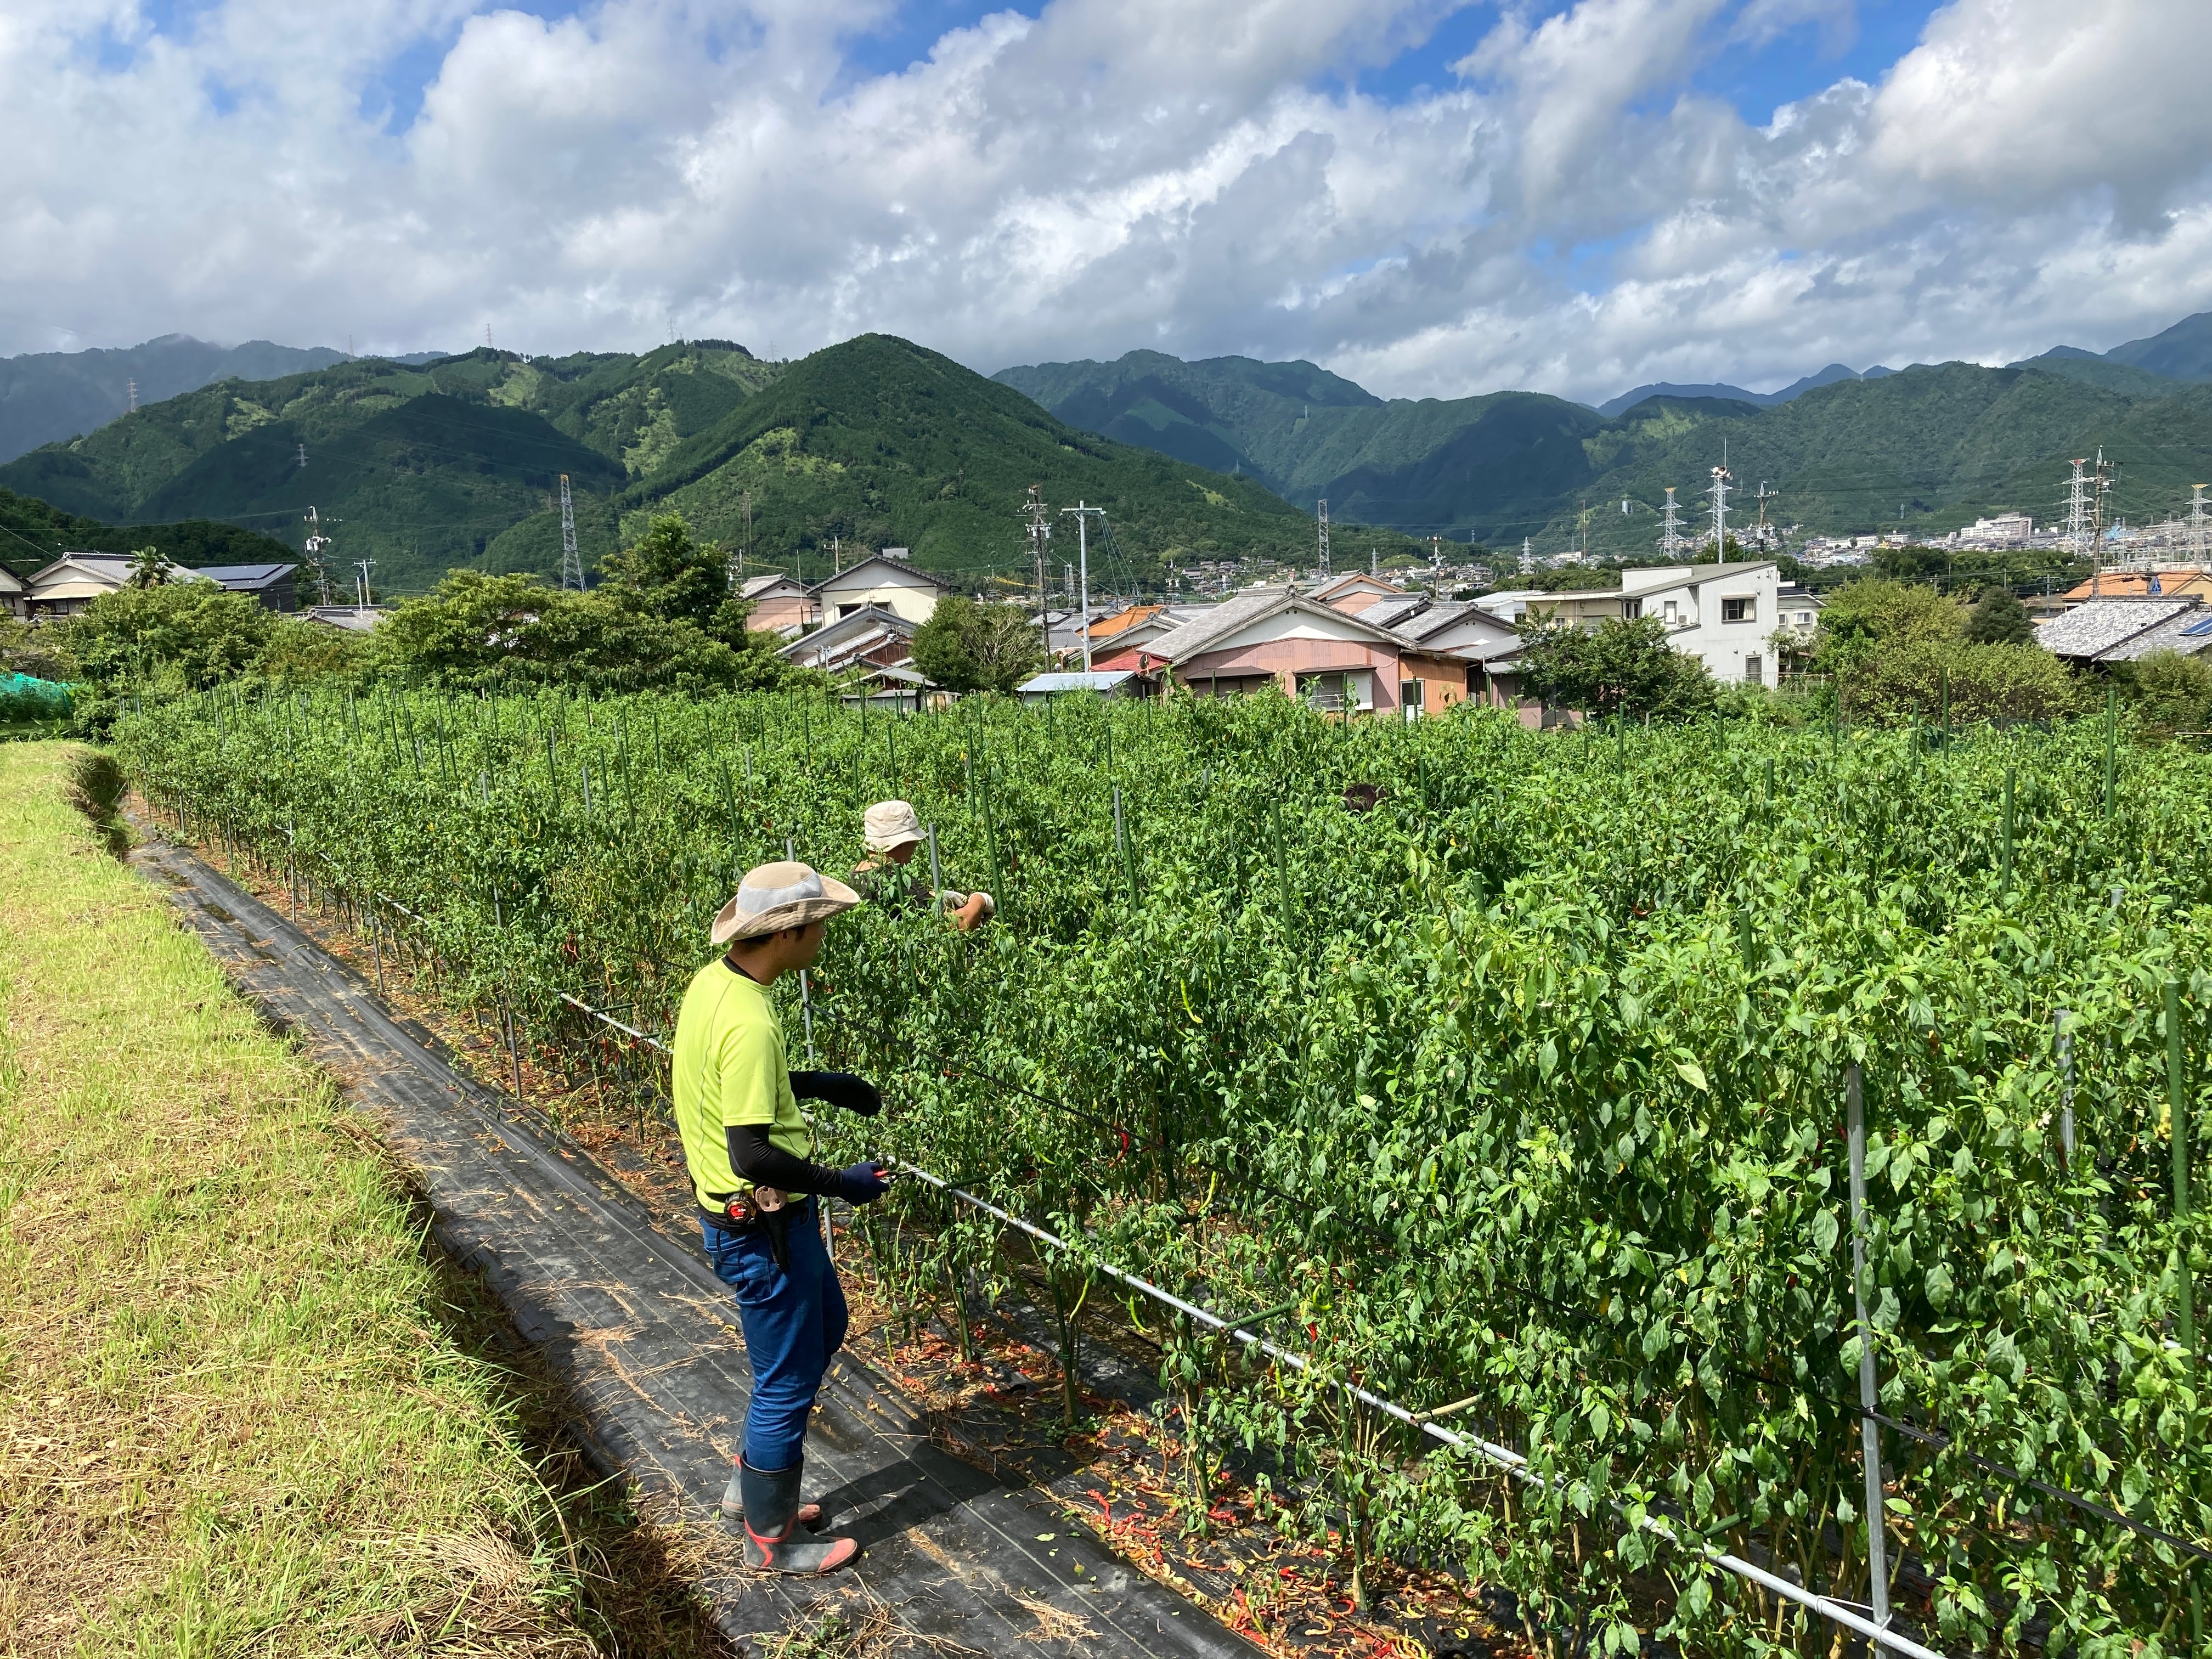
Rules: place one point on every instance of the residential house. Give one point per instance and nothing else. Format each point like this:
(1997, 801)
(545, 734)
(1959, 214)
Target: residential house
(1801, 610)
(873, 637)
(271, 584)
(1721, 614)
(14, 593)
(2184, 582)
(73, 581)
(1276, 636)
(780, 605)
(1458, 651)
(2104, 630)
(1354, 591)
(885, 580)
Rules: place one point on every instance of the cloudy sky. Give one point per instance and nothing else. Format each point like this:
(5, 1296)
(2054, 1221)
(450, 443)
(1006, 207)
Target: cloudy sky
(1434, 198)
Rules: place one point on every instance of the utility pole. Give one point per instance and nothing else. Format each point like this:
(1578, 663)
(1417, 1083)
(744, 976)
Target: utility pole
(1670, 528)
(1718, 492)
(1322, 566)
(360, 587)
(1082, 566)
(572, 562)
(315, 544)
(1040, 533)
(1766, 494)
(2197, 523)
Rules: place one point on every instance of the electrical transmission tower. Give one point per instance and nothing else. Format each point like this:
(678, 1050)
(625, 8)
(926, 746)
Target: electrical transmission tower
(572, 562)
(1670, 527)
(1719, 494)
(2081, 517)
(1323, 531)
(2199, 524)
(1040, 533)
(134, 396)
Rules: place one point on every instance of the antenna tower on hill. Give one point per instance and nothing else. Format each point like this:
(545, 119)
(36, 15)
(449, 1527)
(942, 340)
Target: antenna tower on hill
(1719, 493)
(1670, 527)
(1323, 529)
(572, 562)
(134, 396)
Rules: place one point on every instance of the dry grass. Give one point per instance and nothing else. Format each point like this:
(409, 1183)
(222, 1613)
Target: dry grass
(241, 1410)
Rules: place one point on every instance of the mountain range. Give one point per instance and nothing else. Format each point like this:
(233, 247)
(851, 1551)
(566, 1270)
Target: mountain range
(423, 466)
(1930, 448)
(47, 395)
(459, 461)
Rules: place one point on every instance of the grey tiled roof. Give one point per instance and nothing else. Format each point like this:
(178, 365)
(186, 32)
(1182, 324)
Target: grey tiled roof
(2185, 634)
(2088, 631)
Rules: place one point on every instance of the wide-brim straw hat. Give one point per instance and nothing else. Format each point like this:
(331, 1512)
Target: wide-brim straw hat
(774, 897)
(889, 825)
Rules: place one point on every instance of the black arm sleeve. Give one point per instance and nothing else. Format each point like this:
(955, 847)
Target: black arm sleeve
(766, 1164)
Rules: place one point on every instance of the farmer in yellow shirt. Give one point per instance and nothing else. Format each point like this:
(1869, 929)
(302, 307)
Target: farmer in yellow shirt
(758, 1193)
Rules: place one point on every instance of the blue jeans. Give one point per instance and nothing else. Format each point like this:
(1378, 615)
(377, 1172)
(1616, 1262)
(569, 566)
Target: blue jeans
(795, 1323)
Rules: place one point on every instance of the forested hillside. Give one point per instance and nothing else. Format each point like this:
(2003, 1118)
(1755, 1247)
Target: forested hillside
(422, 468)
(1945, 444)
(879, 441)
(870, 443)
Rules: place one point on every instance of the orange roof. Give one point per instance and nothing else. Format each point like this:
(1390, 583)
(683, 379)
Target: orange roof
(2136, 585)
(1107, 627)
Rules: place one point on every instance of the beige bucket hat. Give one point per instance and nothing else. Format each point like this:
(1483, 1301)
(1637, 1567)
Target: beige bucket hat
(890, 825)
(774, 897)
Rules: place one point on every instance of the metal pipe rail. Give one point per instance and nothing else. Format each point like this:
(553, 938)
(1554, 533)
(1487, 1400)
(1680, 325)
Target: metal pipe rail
(1504, 1457)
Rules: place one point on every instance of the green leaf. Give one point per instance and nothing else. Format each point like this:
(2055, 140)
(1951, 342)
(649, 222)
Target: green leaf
(1693, 1073)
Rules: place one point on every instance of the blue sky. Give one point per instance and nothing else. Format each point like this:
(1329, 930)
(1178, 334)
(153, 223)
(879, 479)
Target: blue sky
(1610, 201)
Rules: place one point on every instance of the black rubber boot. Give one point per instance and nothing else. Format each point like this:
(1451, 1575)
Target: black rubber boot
(771, 1497)
(733, 1500)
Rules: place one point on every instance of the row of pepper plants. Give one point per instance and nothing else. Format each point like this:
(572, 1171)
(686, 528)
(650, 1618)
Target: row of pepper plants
(1500, 1073)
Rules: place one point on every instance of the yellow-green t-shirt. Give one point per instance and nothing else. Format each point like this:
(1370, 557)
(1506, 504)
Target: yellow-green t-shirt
(729, 1069)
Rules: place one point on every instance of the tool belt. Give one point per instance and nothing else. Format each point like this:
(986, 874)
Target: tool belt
(769, 1211)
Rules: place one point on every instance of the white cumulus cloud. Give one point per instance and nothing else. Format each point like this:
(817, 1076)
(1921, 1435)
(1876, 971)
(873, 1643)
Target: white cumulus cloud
(1565, 210)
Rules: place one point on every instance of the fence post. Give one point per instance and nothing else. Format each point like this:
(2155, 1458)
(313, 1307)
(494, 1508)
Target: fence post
(2112, 745)
(1869, 1393)
(1124, 844)
(2008, 830)
(805, 989)
(2177, 1096)
(2065, 1046)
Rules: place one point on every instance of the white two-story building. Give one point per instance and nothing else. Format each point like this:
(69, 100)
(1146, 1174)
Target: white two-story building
(1721, 614)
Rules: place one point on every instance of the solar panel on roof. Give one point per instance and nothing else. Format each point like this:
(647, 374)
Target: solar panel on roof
(2203, 627)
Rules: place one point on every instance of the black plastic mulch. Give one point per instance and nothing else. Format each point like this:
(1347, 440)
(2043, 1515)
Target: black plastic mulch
(645, 1337)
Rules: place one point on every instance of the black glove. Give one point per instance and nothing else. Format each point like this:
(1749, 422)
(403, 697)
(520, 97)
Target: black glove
(854, 1094)
(864, 1183)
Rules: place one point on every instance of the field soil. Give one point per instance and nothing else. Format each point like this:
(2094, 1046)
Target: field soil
(244, 1410)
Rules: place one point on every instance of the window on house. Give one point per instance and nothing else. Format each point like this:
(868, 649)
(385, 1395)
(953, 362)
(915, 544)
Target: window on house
(1804, 619)
(1674, 613)
(1409, 698)
(1631, 609)
(1754, 670)
(1736, 610)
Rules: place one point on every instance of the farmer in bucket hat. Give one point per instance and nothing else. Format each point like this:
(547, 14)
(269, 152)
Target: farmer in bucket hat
(749, 1151)
(892, 832)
